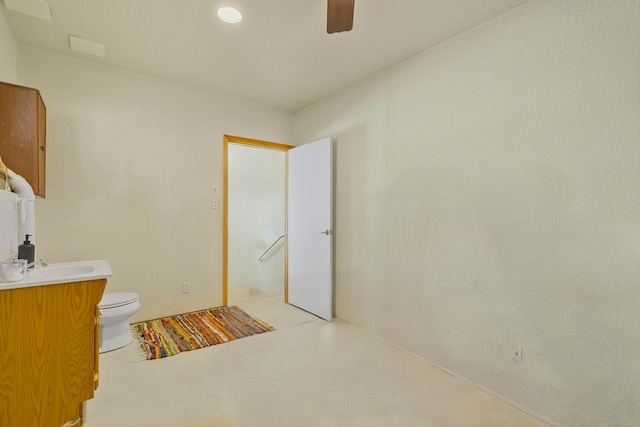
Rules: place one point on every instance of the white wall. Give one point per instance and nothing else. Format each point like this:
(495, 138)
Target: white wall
(256, 218)
(130, 165)
(8, 52)
(488, 196)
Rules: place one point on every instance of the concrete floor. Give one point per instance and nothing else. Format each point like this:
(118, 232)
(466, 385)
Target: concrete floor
(306, 373)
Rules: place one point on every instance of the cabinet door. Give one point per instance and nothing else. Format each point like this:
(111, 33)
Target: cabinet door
(96, 349)
(22, 134)
(48, 356)
(41, 149)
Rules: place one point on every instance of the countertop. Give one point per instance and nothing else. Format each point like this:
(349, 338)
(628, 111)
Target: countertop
(62, 273)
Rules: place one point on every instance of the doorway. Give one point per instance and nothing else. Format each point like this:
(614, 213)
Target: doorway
(254, 219)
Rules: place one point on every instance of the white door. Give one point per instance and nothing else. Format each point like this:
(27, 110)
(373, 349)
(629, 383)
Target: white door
(310, 227)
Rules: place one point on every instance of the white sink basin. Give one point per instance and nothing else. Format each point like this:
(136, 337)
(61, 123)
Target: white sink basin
(65, 272)
(61, 271)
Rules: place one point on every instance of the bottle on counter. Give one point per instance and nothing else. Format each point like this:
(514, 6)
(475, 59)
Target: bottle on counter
(27, 251)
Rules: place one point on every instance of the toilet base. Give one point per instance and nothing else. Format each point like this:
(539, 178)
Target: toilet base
(116, 309)
(114, 336)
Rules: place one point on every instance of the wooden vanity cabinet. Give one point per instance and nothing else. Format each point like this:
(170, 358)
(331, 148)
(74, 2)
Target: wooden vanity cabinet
(23, 134)
(48, 352)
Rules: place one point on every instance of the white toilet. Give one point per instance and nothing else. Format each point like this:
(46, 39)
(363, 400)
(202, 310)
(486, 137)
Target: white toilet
(116, 309)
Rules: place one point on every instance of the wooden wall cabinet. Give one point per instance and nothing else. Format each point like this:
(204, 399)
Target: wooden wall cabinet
(48, 352)
(23, 134)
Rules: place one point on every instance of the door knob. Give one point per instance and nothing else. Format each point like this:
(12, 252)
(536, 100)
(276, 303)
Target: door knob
(327, 232)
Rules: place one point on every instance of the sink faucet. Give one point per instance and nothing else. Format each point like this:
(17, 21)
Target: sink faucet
(43, 262)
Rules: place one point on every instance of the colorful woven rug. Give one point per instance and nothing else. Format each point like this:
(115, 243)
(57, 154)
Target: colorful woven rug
(171, 335)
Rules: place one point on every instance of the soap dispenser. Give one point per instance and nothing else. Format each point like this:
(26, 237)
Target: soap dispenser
(27, 251)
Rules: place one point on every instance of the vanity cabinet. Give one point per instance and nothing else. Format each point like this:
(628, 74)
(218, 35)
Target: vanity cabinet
(23, 134)
(48, 352)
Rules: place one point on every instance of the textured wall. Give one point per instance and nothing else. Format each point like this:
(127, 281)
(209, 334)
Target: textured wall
(488, 196)
(256, 218)
(130, 165)
(8, 53)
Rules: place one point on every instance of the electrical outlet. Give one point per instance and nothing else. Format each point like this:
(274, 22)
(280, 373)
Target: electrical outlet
(214, 203)
(517, 354)
(186, 287)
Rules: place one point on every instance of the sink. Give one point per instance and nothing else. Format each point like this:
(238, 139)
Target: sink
(60, 271)
(64, 272)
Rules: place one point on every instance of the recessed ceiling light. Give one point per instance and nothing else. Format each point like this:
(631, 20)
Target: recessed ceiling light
(229, 15)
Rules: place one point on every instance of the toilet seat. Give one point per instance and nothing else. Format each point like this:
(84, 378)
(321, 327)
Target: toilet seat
(117, 299)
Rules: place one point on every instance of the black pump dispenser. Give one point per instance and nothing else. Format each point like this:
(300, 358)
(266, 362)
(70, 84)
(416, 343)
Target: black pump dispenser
(27, 251)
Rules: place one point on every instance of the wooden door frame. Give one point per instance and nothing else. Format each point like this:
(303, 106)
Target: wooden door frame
(256, 143)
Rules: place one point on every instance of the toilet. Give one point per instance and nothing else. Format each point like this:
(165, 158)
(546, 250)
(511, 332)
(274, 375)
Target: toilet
(116, 309)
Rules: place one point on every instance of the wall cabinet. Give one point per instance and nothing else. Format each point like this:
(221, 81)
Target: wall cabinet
(23, 134)
(48, 352)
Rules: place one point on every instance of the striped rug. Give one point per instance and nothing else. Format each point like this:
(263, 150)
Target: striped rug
(171, 335)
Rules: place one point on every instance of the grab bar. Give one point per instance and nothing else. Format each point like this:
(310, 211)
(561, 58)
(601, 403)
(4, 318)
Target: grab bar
(272, 245)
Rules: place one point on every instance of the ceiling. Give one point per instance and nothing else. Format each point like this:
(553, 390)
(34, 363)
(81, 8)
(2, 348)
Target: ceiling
(279, 55)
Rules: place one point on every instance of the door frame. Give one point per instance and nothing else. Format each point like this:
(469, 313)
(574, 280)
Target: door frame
(256, 143)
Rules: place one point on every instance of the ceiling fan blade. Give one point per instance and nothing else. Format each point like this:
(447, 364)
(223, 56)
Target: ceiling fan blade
(339, 15)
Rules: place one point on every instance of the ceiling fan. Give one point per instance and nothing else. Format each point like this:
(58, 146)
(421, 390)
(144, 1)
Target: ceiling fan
(339, 15)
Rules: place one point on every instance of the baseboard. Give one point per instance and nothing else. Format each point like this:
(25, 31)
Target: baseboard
(504, 399)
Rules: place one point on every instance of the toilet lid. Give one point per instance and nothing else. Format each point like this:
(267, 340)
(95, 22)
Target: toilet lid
(117, 299)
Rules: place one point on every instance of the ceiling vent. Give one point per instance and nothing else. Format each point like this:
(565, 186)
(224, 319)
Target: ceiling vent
(87, 46)
(36, 8)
